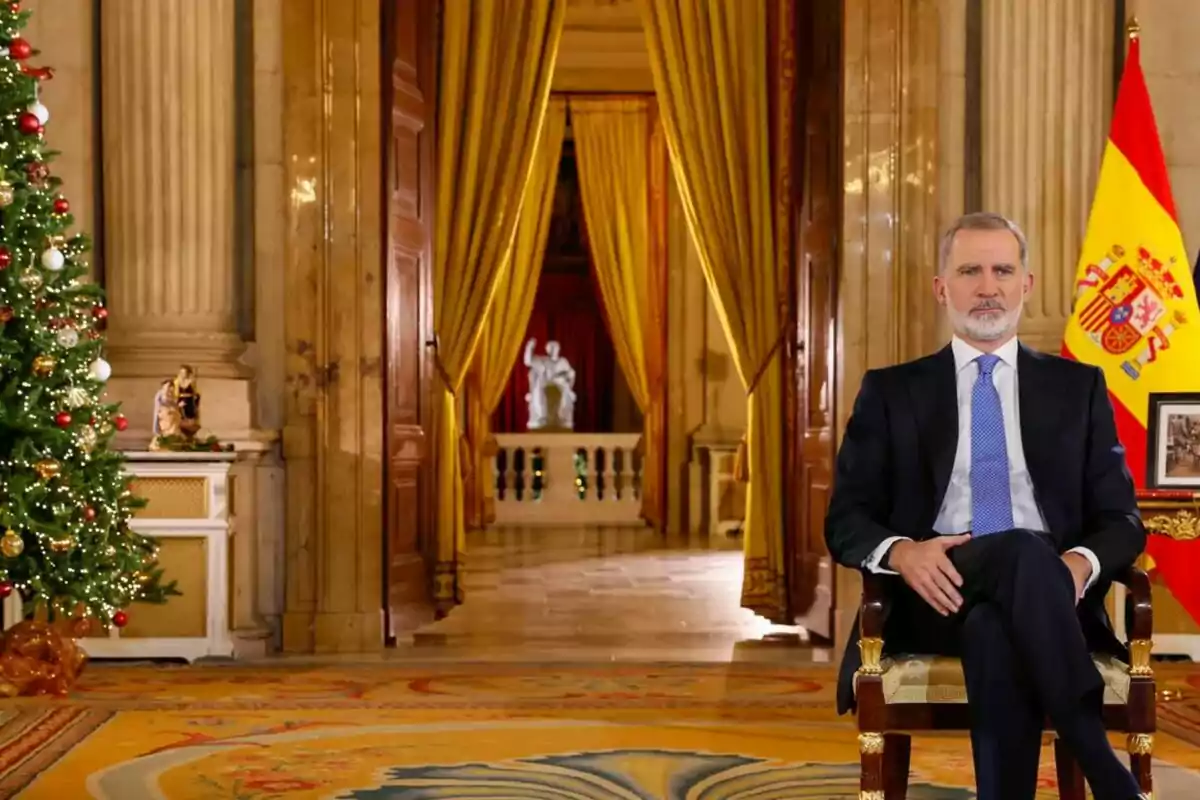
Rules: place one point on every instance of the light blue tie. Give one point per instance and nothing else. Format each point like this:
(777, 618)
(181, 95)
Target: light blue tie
(991, 502)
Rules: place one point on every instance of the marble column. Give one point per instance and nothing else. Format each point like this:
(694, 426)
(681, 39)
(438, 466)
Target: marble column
(169, 143)
(890, 206)
(1047, 95)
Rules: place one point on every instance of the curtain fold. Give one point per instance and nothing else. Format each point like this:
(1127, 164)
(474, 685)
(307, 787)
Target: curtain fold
(496, 64)
(717, 77)
(512, 303)
(612, 143)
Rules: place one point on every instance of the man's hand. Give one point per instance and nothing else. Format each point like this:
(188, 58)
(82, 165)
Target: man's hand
(1081, 571)
(927, 569)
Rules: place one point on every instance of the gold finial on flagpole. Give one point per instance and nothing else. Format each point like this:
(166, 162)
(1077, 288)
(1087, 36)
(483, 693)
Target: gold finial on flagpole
(1132, 28)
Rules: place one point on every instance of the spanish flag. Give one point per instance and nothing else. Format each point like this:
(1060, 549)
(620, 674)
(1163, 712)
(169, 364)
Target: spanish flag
(1135, 313)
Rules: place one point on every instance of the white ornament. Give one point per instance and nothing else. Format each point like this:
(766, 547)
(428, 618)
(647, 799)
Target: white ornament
(40, 111)
(100, 370)
(77, 397)
(67, 337)
(53, 259)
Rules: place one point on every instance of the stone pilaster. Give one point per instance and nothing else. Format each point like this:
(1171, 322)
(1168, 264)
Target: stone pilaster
(169, 144)
(1047, 94)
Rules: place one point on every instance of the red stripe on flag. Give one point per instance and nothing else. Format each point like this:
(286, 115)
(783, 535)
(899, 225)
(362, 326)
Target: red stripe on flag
(1135, 133)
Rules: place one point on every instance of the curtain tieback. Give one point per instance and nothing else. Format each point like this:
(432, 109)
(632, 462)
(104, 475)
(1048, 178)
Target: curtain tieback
(741, 461)
(435, 345)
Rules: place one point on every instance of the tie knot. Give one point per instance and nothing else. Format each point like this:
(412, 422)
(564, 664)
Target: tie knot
(987, 363)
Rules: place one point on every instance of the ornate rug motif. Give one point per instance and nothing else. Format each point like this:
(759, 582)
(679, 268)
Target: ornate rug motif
(438, 731)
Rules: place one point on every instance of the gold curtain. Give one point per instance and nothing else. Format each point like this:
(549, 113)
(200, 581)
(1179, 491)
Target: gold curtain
(497, 60)
(612, 143)
(717, 78)
(504, 332)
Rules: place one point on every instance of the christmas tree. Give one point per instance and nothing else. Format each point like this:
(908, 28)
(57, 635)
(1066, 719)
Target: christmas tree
(65, 502)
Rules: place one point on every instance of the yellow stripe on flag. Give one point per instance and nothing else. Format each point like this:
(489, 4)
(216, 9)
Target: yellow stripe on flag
(1134, 312)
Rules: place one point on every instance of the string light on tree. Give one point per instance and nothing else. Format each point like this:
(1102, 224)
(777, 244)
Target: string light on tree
(67, 546)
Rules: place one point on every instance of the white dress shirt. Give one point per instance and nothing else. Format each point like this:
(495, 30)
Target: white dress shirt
(955, 514)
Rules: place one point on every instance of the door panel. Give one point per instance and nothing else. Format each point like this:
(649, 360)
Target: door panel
(410, 81)
(818, 228)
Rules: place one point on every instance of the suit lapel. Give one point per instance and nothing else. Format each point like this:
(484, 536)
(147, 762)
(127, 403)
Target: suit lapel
(1039, 405)
(938, 411)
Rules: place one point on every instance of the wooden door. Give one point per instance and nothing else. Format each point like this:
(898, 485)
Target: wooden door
(410, 110)
(818, 227)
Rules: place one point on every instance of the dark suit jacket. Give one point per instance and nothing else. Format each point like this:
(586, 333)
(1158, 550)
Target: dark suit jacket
(898, 451)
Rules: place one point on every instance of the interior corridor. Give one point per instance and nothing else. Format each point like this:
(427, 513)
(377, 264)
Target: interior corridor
(610, 593)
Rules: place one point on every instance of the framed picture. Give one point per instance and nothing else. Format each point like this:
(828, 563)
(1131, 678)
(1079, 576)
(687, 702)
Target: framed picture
(1173, 455)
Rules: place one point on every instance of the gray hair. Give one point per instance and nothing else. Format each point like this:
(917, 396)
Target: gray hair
(981, 221)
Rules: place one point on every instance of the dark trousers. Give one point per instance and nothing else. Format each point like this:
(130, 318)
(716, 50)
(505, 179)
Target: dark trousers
(1024, 658)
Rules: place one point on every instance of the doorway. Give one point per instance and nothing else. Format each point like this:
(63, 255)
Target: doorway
(410, 36)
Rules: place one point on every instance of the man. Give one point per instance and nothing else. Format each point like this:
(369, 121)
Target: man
(990, 479)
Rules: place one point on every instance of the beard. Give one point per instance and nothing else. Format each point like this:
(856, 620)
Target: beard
(986, 327)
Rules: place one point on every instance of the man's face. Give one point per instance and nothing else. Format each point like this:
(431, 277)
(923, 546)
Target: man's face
(552, 349)
(984, 285)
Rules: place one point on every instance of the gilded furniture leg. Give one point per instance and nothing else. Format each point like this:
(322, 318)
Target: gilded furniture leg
(870, 751)
(1141, 751)
(1142, 692)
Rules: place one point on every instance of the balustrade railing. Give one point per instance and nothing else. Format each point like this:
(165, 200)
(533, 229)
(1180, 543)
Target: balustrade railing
(568, 478)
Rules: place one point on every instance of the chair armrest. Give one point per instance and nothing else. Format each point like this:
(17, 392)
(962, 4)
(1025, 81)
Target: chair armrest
(874, 589)
(1139, 620)
(870, 621)
(1139, 611)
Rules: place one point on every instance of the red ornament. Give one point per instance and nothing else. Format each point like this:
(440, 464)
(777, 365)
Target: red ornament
(120, 619)
(5, 258)
(100, 312)
(37, 171)
(20, 49)
(62, 419)
(28, 124)
(89, 513)
(120, 423)
(6, 313)
(61, 206)
(6, 589)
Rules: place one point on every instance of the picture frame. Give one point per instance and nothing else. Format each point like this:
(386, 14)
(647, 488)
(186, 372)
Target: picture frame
(1173, 441)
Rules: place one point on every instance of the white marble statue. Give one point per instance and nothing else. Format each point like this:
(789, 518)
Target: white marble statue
(550, 375)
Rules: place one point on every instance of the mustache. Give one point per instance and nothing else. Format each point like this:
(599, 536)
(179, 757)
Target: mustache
(988, 305)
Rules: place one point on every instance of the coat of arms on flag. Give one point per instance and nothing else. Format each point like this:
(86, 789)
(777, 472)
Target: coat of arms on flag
(1124, 306)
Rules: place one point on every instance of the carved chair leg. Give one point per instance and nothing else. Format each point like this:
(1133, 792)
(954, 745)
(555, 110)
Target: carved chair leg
(1141, 751)
(870, 753)
(1071, 785)
(897, 747)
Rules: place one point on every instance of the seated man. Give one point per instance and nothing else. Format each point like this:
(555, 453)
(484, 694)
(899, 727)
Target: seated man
(989, 477)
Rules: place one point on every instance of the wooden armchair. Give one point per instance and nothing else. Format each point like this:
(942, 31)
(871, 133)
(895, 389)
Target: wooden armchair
(906, 693)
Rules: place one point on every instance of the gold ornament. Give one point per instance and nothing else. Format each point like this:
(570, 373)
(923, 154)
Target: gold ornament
(12, 544)
(1181, 526)
(110, 551)
(47, 468)
(6, 193)
(142, 577)
(43, 365)
(31, 279)
(87, 438)
(62, 545)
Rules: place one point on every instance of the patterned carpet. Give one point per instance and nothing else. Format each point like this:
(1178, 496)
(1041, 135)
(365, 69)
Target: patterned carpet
(413, 732)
